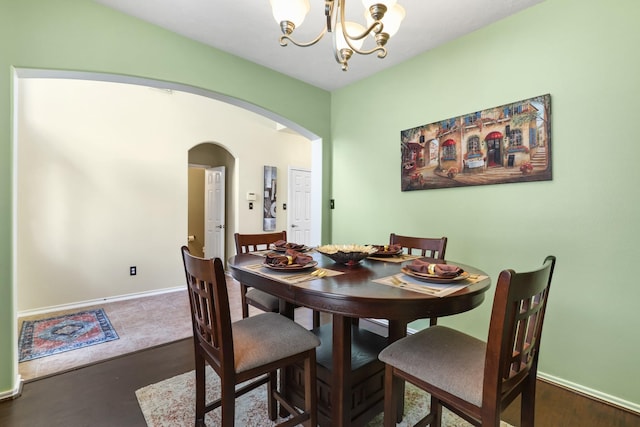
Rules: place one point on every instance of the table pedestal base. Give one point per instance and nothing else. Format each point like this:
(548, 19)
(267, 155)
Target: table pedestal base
(367, 377)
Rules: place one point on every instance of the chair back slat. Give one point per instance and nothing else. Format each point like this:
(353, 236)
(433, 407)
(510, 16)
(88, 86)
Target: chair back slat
(256, 242)
(209, 301)
(516, 326)
(427, 246)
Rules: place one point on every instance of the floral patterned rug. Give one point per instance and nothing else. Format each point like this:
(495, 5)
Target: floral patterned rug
(45, 337)
(170, 403)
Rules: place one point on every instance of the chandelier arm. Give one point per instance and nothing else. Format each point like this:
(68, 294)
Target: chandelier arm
(285, 38)
(375, 28)
(382, 51)
(328, 12)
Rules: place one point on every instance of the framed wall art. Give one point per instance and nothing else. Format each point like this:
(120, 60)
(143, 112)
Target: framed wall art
(505, 144)
(269, 206)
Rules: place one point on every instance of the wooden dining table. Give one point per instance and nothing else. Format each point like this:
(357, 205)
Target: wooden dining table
(349, 373)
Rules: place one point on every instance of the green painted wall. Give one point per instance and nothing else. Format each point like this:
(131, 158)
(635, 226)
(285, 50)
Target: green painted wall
(82, 35)
(585, 55)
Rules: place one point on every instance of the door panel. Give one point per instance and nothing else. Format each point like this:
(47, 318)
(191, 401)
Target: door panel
(214, 208)
(300, 210)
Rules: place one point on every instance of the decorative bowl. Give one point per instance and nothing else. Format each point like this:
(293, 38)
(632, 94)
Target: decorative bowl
(347, 254)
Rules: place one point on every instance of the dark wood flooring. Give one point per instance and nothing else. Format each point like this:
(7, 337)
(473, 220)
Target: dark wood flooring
(99, 395)
(103, 394)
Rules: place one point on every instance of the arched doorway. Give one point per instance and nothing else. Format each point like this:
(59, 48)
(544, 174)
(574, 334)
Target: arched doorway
(202, 157)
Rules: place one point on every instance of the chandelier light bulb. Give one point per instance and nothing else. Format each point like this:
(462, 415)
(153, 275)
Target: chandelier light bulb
(293, 11)
(354, 29)
(393, 18)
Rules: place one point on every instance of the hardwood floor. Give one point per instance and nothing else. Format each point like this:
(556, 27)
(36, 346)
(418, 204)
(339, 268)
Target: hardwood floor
(100, 395)
(103, 394)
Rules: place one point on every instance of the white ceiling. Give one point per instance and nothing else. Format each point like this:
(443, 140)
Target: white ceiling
(246, 28)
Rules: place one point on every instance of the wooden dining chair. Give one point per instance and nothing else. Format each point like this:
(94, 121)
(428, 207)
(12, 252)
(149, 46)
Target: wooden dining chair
(428, 246)
(473, 378)
(248, 351)
(250, 296)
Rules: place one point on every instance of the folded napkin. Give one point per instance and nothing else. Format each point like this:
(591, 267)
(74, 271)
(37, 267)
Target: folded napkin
(440, 270)
(287, 245)
(290, 257)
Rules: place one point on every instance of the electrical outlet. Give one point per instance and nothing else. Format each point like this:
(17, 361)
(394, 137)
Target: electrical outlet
(132, 270)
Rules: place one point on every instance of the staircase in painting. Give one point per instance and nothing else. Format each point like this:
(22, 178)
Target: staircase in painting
(539, 159)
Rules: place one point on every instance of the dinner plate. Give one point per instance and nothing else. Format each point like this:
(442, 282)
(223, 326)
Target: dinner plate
(284, 249)
(434, 278)
(291, 267)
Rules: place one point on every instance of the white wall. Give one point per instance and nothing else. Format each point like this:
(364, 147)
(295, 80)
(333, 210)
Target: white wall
(102, 183)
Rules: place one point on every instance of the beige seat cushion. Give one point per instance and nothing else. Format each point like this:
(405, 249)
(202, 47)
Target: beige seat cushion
(264, 299)
(268, 337)
(443, 357)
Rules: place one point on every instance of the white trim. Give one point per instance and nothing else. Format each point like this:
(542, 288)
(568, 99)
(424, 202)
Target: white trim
(17, 390)
(578, 388)
(15, 373)
(316, 191)
(81, 304)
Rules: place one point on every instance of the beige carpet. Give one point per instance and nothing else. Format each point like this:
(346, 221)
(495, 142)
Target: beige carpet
(140, 323)
(169, 403)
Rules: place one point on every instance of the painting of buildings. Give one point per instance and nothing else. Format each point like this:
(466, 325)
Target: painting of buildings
(505, 144)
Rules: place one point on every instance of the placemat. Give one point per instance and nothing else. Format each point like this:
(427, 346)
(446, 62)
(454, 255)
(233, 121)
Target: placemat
(290, 277)
(409, 283)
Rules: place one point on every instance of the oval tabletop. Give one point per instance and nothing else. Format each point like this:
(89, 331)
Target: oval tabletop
(363, 290)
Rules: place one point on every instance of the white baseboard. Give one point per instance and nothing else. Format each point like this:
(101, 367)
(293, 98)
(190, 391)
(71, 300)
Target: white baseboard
(17, 390)
(87, 303)
(578, 388)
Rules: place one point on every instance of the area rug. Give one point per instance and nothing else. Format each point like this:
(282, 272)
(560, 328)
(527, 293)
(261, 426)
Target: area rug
(170, 403)
(45, 337)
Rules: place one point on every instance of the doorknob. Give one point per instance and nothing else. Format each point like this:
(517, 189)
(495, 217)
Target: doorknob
(220, 226)
(294, 225)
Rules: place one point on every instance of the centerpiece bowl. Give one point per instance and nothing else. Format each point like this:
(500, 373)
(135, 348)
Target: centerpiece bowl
(347, 254)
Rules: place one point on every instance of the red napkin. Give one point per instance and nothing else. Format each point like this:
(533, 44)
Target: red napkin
(440, 270)
(283, 260)
(279, 243)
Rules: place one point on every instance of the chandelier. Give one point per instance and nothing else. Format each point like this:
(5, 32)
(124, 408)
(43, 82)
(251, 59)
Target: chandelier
(383, 19)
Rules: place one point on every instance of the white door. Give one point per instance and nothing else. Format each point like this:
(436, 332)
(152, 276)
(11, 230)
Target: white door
(300, 209)
(214, 227)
